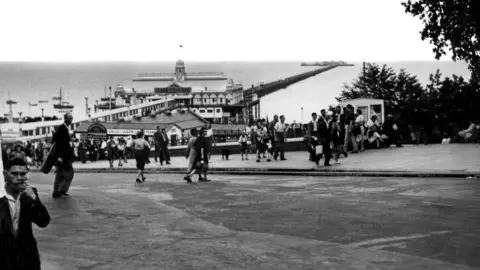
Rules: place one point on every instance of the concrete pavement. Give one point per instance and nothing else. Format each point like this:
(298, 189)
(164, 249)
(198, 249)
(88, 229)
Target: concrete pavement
(454, 160)
(261, 222)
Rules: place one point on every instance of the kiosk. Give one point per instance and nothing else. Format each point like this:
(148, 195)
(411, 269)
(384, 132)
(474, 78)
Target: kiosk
(368, 107)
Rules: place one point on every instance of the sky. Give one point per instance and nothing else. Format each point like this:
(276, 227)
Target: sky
(210, 30)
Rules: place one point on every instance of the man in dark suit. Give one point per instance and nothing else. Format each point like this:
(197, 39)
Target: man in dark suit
(64, 152)
(158, 150)
(312, 133)
(163, 140)
(324, 137)
(19, 208)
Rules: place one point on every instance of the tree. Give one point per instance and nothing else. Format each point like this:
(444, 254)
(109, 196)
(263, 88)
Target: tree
(400, 92)
(453, 25)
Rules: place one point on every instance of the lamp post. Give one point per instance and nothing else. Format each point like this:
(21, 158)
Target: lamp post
(110, 98)
(86, 106)
(43, 117)
(301, 117)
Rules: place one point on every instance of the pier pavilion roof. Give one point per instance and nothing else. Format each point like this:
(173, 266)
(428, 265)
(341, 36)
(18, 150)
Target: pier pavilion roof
(175, 117)
(196, 85)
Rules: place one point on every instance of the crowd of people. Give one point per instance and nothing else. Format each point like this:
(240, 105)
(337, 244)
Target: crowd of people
(328, 135)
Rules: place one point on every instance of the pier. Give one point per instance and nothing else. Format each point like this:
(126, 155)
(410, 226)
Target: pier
(252, 95)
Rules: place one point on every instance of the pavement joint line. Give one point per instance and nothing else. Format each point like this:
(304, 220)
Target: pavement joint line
(293, 172)
(376, 241)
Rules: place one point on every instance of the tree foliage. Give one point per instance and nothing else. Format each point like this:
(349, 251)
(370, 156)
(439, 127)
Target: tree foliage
(453, 25)
(454, 100)
(400, 92)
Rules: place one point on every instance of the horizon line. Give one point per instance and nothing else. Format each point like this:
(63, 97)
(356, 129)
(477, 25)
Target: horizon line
(218, 61)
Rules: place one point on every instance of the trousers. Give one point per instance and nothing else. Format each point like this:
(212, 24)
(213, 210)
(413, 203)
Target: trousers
(63, 178)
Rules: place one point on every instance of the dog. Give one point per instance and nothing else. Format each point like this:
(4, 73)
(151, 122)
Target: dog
(226, 153)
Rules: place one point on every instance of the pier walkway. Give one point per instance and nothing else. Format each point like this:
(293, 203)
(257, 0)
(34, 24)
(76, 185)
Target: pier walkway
(271, 87)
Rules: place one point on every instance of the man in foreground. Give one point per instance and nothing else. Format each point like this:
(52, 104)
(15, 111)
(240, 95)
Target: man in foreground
(64, 152)
(18, 209)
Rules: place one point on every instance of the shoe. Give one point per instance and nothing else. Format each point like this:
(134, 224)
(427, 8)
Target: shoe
(345, 154)
(138, 181)
(188, 179)
(283, 159)
(65, 194)
(201, 179)
(258, 160)
(327, 165)
(60, 196)
(168, 162)
(143, 179)
(269, 160)
(246, 159)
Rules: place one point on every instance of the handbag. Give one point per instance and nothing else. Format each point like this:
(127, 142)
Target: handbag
(319, 149)
(50, 160)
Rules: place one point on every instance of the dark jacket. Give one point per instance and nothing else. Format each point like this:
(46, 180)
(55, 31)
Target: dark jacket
(201, 143)
(310, 131)
(62, 140)
(388, 127)
(19, 251)
(159, 141)
(324, 133)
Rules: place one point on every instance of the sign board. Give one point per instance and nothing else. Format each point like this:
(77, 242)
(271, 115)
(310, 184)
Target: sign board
(10, 132)
(129, 132)
(97, 132)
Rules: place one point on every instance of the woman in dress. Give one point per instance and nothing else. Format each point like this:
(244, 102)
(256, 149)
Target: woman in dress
(191, 155)
(209, 140)
(337, 141)
(142, 150)
(360, 123)
(260, 140)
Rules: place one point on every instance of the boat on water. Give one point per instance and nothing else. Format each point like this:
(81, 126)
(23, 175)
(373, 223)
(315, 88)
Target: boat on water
(62, 105)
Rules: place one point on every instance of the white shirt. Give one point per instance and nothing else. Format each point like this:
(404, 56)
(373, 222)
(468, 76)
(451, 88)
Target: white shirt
(129, 142)
(360, 119)
(314, 124)
(280, 127)
(370, 123)
(209, 133)
(14, 210)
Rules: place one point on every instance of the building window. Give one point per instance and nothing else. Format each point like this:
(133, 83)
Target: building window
(214, 100)
(202, 111)
(218, 110)
(204, 100)
(209, 111)
(220, 100)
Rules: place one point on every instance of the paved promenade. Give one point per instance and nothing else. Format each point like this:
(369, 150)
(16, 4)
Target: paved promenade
(436, 160)
(261, 222)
